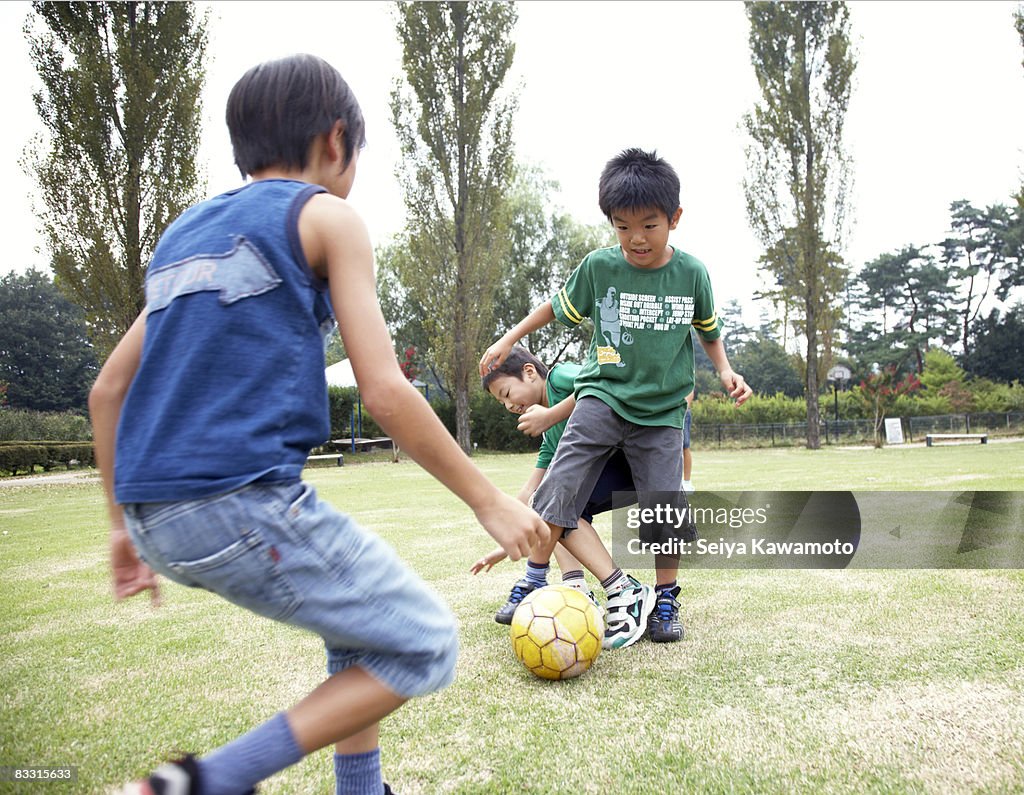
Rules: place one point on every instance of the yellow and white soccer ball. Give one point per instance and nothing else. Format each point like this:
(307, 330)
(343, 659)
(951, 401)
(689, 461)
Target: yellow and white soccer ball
(557, 632)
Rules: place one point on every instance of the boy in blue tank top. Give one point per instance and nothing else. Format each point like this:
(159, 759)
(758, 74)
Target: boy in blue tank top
(203, 479)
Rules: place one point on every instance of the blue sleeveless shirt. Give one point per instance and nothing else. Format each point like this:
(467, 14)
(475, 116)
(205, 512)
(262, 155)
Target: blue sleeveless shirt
(230, 389)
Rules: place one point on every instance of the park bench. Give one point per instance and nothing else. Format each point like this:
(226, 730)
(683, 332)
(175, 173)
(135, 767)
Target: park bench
(931, 437)
(327, 456)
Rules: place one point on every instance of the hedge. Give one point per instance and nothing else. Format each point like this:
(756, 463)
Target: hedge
(18, 457)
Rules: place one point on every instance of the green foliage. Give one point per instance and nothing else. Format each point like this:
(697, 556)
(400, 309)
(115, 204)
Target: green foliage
(768, 367)
(999, 345)
(46, 360)
(345, 411)
(1018, 23)
(455, 134)
(986, 249)
(64, 426)
(121, 105)
(940, 368)
(906, 298)
(494, 427)
(25, 457)
(546, 245)
(796, 187)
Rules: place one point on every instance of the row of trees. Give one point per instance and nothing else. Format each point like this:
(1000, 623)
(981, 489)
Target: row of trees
(121, 107)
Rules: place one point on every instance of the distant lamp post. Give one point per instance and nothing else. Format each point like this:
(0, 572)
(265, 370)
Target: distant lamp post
(839, 372)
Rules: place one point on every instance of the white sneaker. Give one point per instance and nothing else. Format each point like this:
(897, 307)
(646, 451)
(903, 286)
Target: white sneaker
(626, 615)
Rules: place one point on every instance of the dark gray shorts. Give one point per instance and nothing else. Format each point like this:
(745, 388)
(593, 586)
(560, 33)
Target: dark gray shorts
(594, 432)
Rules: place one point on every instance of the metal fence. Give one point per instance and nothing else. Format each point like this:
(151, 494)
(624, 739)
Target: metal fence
(850, 432)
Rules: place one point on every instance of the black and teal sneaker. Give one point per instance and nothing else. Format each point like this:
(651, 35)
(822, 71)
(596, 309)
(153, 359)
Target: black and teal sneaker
(626, 615)
(519, 592)
(664, 625)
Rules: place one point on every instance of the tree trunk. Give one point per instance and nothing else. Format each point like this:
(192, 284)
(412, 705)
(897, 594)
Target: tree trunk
(813, 408)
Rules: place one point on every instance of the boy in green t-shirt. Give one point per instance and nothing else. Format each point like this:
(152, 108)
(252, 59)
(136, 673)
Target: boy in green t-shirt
(544, 399)
(643, 296)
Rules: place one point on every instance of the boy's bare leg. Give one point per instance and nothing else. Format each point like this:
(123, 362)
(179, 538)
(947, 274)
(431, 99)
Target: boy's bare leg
(366, 740)
(666, 569)
(345, 709)
(565, 559)
(586, 546)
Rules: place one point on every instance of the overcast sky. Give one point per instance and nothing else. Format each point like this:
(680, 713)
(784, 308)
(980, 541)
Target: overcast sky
(937, 112)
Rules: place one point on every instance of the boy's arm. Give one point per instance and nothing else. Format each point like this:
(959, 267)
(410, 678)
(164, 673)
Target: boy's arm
(488, 561)
(496, 354)
(337, 246)
(526, 492)
(131, 575)
(537, 419)
(734, 383)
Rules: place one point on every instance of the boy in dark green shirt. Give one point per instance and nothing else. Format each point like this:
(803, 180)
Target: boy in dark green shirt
(544, 399)
(643, 296)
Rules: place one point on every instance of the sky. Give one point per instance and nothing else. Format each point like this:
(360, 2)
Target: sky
(936, 115)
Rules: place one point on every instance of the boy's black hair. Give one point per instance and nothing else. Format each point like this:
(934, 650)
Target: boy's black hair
(278, 108)
(513, 365)
(635, 180)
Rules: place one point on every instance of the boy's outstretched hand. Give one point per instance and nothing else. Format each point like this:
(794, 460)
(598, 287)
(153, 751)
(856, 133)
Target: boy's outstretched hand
(488, 561)
(515, 527)
(131, 575)
(735, 386)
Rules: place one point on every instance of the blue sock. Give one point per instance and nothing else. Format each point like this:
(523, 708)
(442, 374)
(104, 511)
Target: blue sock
(537, 574)
(358, 774)
(243, 763)
(659, 589)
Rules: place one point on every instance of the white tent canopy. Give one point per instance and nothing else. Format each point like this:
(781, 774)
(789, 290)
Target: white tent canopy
(340, 374)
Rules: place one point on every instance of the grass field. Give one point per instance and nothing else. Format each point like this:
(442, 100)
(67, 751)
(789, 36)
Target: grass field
(788, 681)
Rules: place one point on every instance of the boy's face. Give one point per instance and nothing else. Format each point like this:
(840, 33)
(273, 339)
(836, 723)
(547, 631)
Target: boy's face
(643, 235)
(518, 395)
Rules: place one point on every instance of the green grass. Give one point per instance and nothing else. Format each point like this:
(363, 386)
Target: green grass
(788, 681)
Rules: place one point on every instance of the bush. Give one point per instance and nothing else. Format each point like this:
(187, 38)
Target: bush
(59, 426)
(18, 457)
(494, 428)
(342, 400)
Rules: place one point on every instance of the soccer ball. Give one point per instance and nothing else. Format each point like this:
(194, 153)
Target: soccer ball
(556, 632)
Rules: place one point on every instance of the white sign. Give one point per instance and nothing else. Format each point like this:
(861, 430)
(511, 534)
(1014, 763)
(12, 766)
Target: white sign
(893, 430)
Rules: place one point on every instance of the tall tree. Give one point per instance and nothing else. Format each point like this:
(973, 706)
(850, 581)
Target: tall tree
(455, 132)
(908, 300)
(121, 108)
(981, 248)
(999, 346)
(46, 359)
(545, 246)
(798, 170)
(1018, 23)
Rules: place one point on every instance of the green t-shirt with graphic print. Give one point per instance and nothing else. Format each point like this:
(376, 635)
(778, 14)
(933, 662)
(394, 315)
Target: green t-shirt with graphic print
(641, 355)
(559, 386)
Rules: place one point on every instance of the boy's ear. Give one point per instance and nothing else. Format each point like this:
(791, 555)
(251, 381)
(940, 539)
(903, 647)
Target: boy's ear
(675, 218)
(336, 141)
(530, 370)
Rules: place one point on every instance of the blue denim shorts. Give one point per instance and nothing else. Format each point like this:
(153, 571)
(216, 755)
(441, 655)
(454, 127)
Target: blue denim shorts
(277, 550)
(687, 421)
